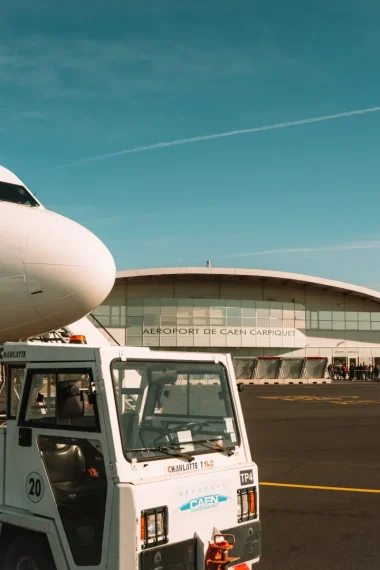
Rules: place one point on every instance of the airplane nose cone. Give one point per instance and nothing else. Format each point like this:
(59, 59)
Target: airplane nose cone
(68, 270)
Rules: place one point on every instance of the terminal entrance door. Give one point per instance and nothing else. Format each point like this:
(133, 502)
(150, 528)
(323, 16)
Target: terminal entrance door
(352, 361)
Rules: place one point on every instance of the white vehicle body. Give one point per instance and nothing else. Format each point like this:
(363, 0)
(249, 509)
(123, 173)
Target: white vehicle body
(124, 458)
(53, 271)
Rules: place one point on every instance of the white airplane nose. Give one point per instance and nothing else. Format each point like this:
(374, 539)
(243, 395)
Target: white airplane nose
(68, 270)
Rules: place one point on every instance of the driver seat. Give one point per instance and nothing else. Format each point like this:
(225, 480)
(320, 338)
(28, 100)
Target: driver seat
(66, 468)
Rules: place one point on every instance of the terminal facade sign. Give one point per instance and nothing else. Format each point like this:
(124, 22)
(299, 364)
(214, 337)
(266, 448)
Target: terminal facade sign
(246, 336)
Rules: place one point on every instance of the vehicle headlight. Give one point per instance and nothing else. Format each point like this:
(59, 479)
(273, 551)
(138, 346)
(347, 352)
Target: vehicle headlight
(246, 504)
(242, 504)
(154, 527)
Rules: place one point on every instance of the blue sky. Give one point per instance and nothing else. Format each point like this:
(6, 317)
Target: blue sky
(91, 78)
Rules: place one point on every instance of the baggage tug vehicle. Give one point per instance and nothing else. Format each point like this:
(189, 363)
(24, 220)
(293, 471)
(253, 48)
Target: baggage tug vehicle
(124, 458)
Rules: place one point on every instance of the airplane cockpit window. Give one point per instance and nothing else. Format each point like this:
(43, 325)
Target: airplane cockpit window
(16, 194)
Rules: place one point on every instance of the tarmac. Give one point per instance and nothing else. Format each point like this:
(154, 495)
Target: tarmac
(318, 452)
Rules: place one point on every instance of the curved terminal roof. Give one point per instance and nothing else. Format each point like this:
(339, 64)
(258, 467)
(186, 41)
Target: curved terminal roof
(253, 275)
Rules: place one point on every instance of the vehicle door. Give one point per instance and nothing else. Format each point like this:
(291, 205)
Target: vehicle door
(57, 455)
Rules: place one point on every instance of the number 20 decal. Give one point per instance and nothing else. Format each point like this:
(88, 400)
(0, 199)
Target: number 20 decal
(34, 487)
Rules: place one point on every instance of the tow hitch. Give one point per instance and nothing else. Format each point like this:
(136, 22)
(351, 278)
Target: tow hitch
(217, 557)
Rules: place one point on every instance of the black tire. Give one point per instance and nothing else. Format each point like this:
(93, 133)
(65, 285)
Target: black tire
(28, 553)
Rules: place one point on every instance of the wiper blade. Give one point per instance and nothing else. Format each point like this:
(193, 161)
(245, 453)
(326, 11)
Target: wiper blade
(228, 450)
(164, 449)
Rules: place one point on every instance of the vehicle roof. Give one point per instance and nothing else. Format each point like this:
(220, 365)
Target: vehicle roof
(46, 352)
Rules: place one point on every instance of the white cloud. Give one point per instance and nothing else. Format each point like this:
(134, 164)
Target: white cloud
(318, 249)
(81, 68)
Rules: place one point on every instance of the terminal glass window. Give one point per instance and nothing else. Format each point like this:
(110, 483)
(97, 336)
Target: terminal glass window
(201, 322)
(364, 317)
(248, 309)
(157, 322)
(173, 408)
(351, 316)
(342, 320)
(16, 194)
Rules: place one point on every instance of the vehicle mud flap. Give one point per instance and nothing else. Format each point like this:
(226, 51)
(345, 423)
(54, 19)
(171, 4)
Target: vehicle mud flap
(247, 540)
(177, 556)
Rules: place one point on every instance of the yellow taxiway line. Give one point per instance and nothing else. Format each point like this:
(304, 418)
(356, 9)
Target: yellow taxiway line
(319, 487)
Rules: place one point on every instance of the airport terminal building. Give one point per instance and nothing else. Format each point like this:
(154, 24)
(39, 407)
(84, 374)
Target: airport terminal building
(276, 325)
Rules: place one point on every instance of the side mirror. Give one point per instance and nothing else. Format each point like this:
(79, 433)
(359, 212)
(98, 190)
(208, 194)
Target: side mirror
(240, 387)
(70, 402)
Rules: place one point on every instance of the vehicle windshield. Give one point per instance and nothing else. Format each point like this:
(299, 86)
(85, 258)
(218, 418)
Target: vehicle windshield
(16, 194)
(173, 408)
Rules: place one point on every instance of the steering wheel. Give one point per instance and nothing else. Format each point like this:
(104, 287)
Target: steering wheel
(193, 426)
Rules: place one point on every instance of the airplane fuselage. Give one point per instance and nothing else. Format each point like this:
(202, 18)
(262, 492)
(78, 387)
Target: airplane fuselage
(53, 271)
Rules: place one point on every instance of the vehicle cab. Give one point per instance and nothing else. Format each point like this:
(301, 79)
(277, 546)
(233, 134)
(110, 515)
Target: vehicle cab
(124, 458)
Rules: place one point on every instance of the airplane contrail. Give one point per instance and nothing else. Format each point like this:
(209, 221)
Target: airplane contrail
(317, 249)
(202, 138)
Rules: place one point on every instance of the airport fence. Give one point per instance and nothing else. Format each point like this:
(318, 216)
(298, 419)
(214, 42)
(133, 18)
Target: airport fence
(281, 370)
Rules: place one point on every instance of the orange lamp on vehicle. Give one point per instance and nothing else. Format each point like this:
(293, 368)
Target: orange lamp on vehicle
(142, 527)
(252, 502)
(78, 339)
